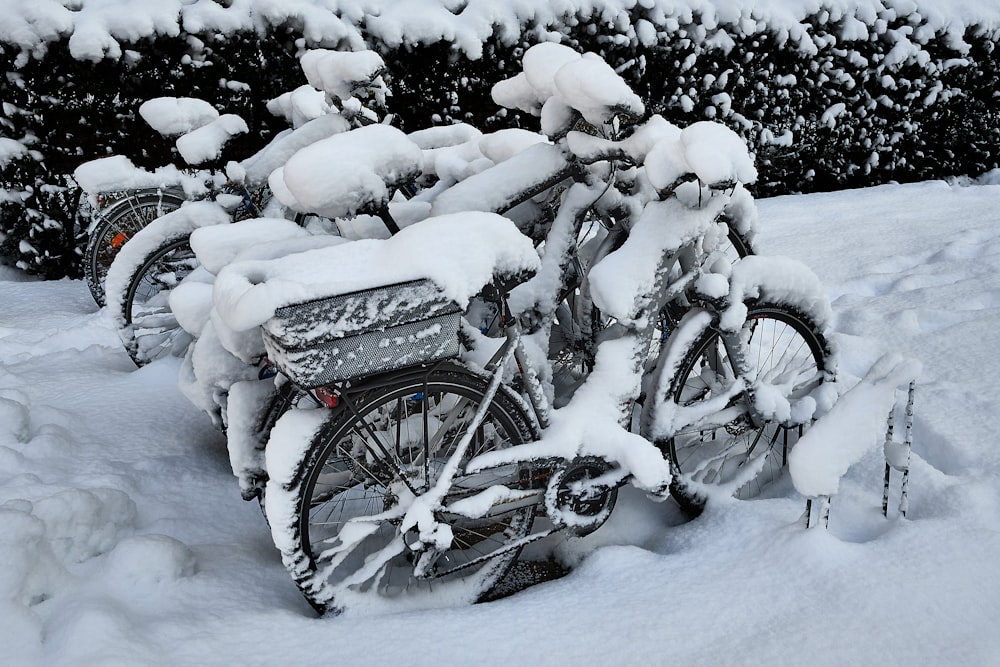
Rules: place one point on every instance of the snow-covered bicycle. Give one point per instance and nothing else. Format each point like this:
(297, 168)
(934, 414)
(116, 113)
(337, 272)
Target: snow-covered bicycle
(345, 89)
(435, 446)
(117, 221)
(139, 278)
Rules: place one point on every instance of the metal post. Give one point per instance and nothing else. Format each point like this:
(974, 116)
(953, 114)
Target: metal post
(904, 501)
(823, 510)
(888, 468)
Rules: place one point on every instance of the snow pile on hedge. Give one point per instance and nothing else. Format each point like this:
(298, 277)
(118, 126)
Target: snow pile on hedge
(97, 28)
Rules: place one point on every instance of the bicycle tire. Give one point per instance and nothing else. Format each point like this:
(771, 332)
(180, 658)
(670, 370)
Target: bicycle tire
(741, 245)
(341, 471)
(284, 398)
(117, 224)
(149, 329)
(731, 454)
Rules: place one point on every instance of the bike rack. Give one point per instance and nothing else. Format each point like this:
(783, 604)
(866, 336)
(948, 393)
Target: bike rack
(897, 457)
(823, 509)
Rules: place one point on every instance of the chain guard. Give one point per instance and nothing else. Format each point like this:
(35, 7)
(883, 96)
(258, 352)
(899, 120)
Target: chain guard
(581, 494)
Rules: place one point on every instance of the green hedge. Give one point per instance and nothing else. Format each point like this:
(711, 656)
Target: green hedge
(901, 103)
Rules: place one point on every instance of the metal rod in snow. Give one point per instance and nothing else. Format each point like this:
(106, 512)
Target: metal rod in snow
(823, 511)
(888, 467)
(904, 501)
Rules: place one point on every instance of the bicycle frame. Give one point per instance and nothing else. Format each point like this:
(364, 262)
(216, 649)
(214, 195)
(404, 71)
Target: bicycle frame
(424, 520)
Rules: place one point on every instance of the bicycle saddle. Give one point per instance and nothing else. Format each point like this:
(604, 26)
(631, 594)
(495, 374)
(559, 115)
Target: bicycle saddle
(348, 174)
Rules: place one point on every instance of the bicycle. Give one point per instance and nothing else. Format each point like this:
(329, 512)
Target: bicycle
(354, 89)
(445, 464)
(140, 278)
(125, 198)
(119, 216)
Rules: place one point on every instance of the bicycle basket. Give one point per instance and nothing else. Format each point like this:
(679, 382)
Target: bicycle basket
(362, 333)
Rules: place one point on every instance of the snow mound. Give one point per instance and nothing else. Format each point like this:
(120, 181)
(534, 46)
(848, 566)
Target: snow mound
(13, 416)
(555, 78)
(851, 428)
(80, 524)
(460, 253)
(31, 572)
(206, 142)
(341, 73)
(150, 559)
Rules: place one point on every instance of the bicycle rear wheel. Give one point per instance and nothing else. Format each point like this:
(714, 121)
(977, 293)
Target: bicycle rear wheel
(337, 520)
(116, 226)
(786, 352)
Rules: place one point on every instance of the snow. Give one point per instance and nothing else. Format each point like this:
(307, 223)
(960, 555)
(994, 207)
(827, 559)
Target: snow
(207, 141)
(664, 227)
(299, 106)
(97, 28)
(116, 173)
(556, 79)
(338, 73)
(10, 149)
(460, 253)
(119, 531)
(348, 173)
(175, 225)
(850, 429)
(508, 180)
(124, 539)
(172, 116)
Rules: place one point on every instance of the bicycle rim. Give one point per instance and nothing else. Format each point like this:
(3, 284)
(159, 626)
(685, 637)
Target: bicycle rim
(368, 461)
(784, 349)
(151, 330)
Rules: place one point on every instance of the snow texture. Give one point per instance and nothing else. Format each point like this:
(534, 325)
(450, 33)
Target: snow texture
(349, 173)
(104, 463)
(340, 73)
(173, 116)
(852, 427)
(116, 173)
(96, 28)
(206, 142)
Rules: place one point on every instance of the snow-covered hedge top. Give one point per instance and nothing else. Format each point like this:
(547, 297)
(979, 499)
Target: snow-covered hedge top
(97, 27)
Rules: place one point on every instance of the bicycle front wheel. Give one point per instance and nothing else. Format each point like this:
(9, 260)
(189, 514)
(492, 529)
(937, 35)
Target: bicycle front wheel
(723, 446)
(117, 225)
(363, 468)
(151, 330)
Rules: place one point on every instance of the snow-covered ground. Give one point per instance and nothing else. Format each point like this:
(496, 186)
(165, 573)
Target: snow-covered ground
(124, 541)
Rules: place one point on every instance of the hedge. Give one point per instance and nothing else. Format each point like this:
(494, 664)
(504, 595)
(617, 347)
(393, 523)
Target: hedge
(826, 100)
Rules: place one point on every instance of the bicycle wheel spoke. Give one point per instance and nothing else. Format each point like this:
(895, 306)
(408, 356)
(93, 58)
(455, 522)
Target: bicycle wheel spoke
(722, 445)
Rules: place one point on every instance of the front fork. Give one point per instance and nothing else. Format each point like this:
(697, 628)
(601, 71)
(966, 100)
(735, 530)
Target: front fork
(743, 368)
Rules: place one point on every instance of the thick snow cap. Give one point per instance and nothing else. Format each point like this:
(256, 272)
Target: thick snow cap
(173, 116)
(556, 76)
(348, 173)
(341, 73)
